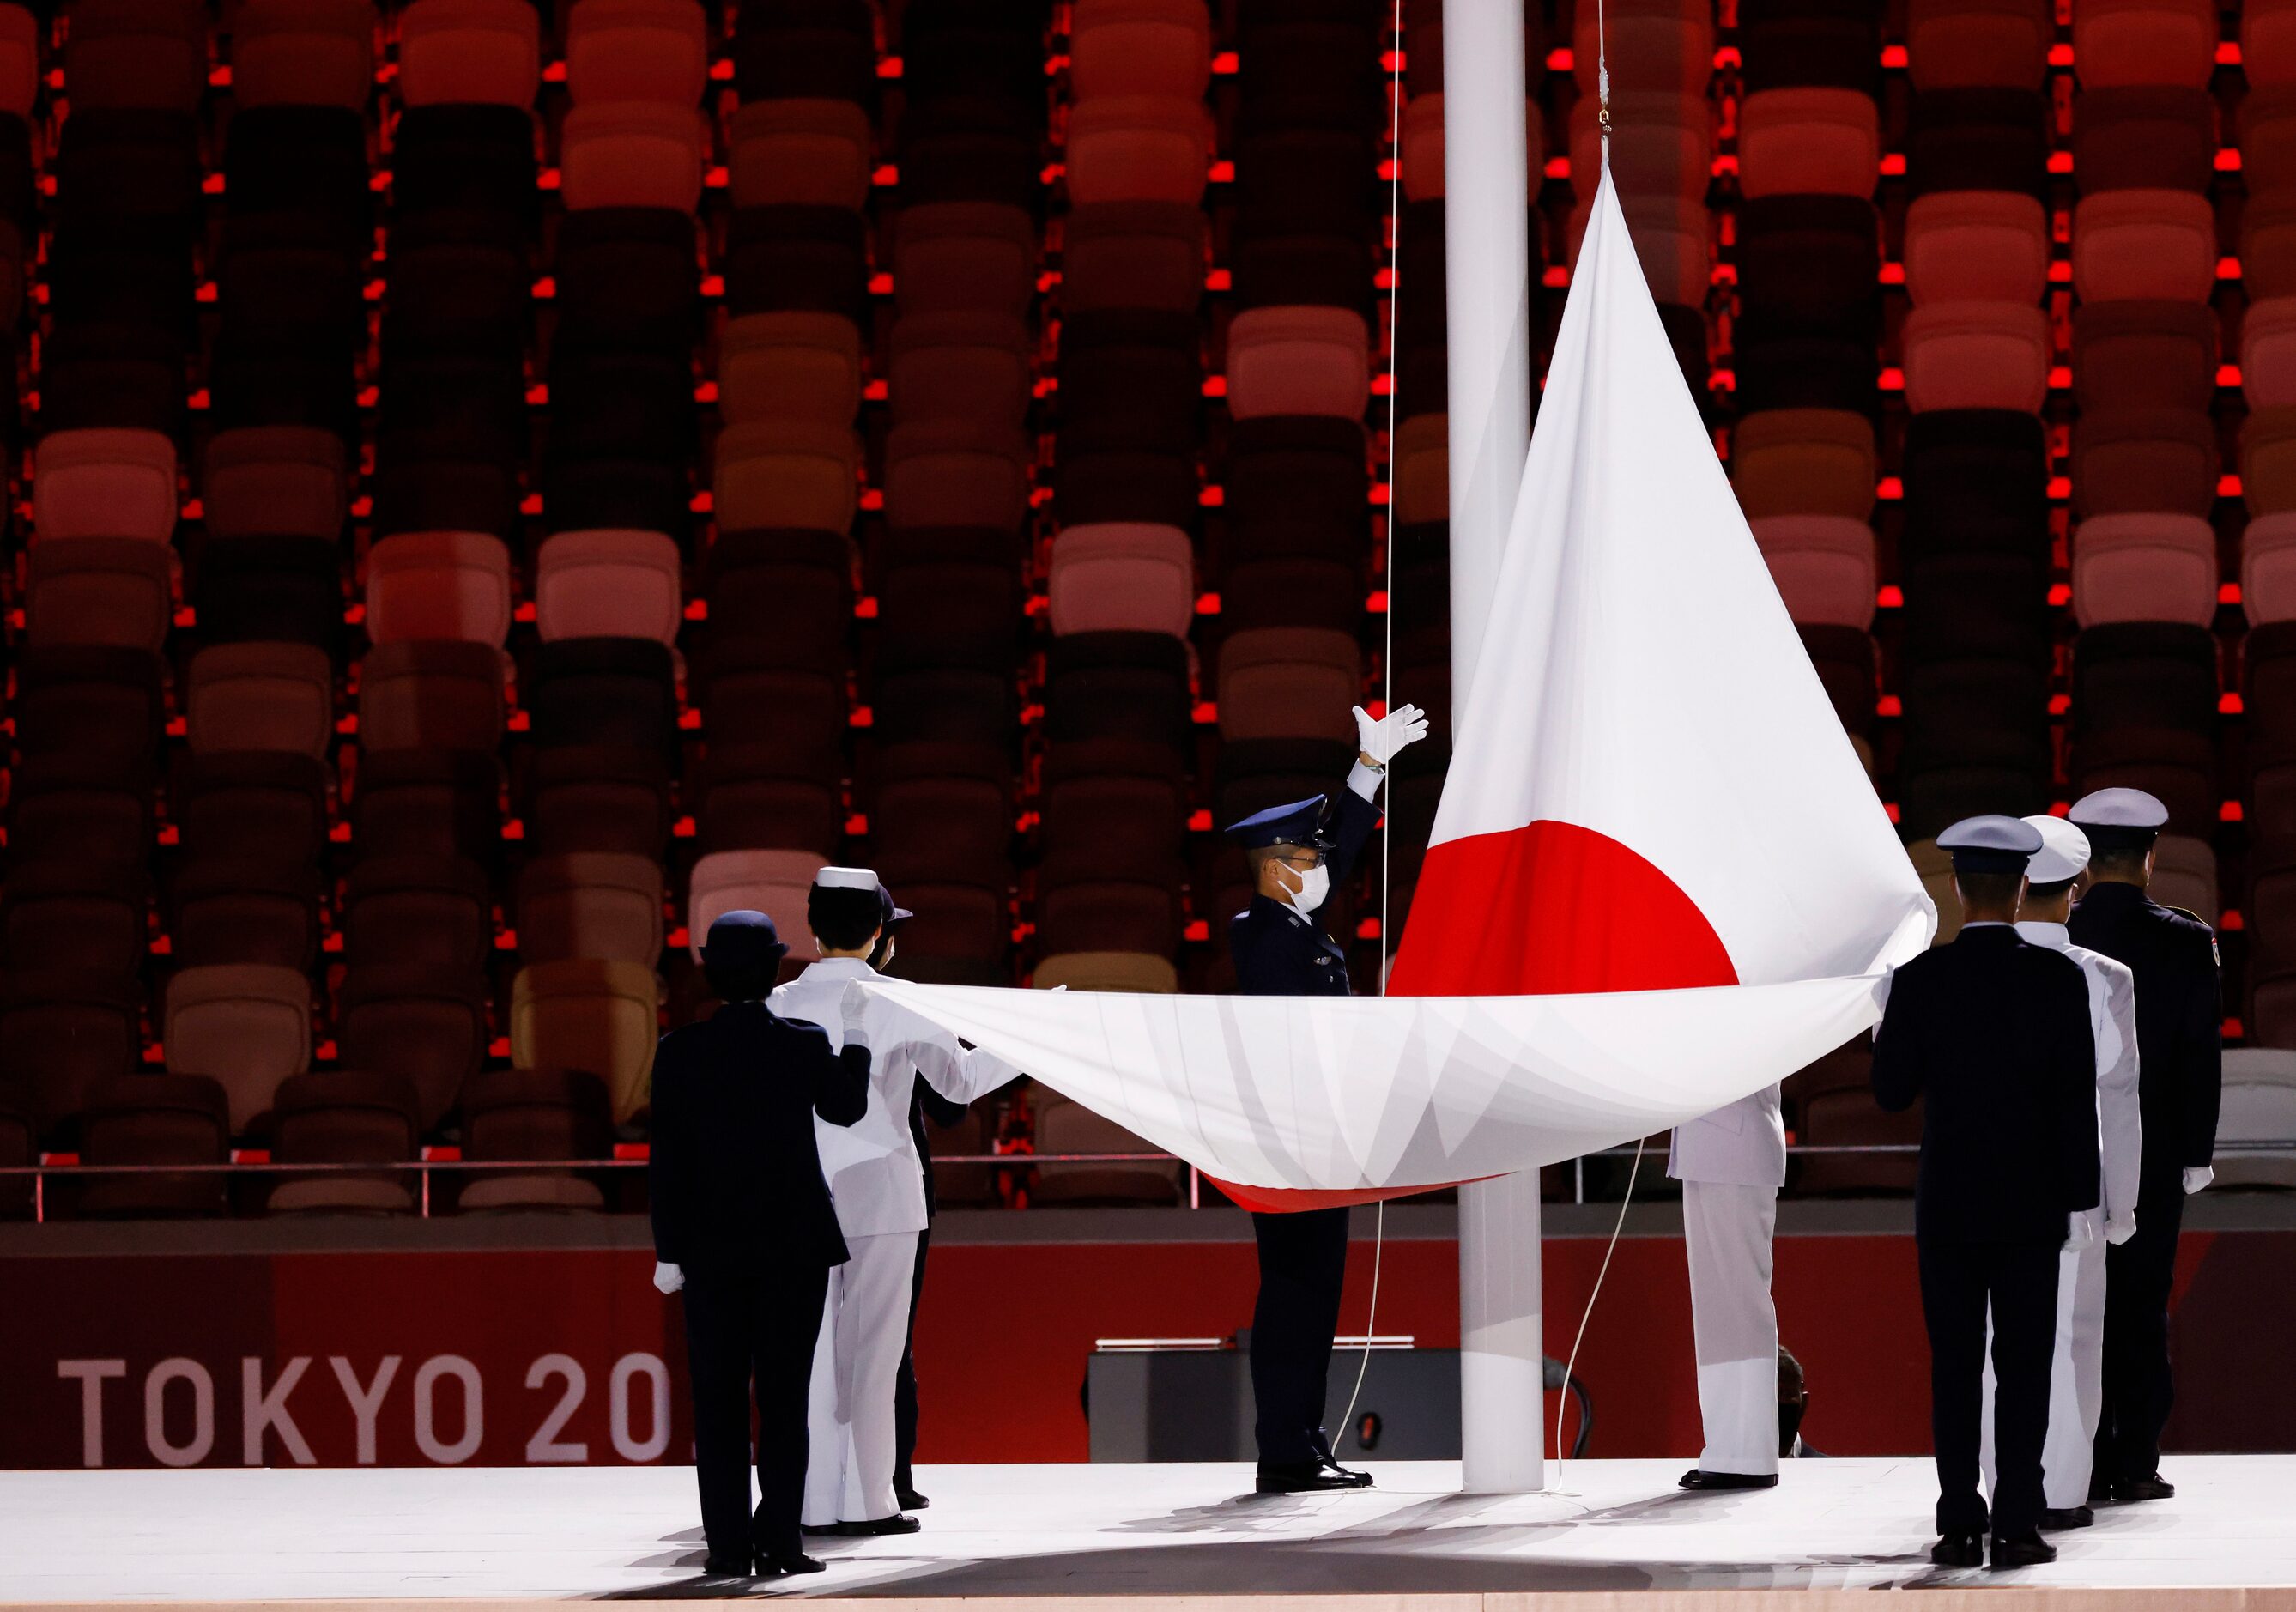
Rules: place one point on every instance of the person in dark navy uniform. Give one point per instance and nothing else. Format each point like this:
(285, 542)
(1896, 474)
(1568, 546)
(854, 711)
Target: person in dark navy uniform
(1992, 1035)
(2179, 1075)
(744, 1226)
(1297, 852)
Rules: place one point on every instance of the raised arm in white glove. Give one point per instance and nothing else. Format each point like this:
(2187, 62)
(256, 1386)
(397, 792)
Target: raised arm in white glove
(2120, 1229)
(668, 1279)
(1379, 740)
(2079, 1233)
(851, 1006)
(2199, 1177)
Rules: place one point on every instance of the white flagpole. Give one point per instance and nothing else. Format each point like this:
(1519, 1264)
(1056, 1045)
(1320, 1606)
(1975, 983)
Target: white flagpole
(1487, 187)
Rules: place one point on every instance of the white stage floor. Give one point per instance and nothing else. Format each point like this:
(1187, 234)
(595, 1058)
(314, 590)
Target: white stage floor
(1089, 1531)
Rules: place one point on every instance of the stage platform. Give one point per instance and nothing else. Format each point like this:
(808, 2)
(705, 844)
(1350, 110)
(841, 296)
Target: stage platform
(1613, 1534)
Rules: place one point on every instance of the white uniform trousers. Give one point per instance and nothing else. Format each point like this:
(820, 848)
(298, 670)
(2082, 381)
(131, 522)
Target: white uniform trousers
(848, 1473)
(1727, 1230)
(2076, 1377)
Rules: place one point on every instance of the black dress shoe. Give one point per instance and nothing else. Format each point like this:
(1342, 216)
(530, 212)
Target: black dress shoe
(899, 1523)
(1698, 1477)
(2056, 1521)
(909, 1500)
(783, 1566)
(2153, 1487)
(1958, 1550)
(823, 1530)
(1308, 1478)
(725, 1566)
(2026, 1551)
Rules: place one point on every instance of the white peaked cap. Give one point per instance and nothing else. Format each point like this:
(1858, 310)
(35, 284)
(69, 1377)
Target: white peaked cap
(2063, 852)
(846, 878)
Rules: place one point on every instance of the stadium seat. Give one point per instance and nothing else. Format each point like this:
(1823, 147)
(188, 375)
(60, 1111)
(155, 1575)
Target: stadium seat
(2259, 1104)
(2140, 458)
(632, 153)
(437, 803)
(485, 52)
(602, 691)
(116, 592)
(103, 483)
(812, 258)
(1122, 576)
(749, 796)
(2160, 355)
(247, 1025)
(227, 909)
(1809, 141)
(802, 152)
(73, 809)
(2267, 461)
(787, 472)
(1287, 683)
(1419, 470)
(2144, 243)
(637, 50)
(2267, 42)
(1122, 685)
(1673, 242)
(1804, 461)
(538, 1115)
(63, 1032)
(609, 584)
(2144, 137)
(279, 589)
(2146, 41)
(955, 473)
(958, 366)
(2185, 875)
(345, 1116)
(1122, 254)
(609, 798)
(1976, 355)
(1063, 1126)
(1661, 142)
(439, 584)
(266, 804)
(1967, 44)
(261, 696)
(2267, 569)
(293, 52)
(2144, 567)
(1976, 245)
(590, 904)
(815, 51)
(773, 881)
(431, 693)
(155, 1120)
(2268, 353)
(1824, 567)
(955, 256)
(20, 60)
(1654, 44)
(1140, 47)
(1298, 361)
(89, 917)
(587, 1013)
(408, 908)
(138, 55)
(794, 363)
(426, 1023)
(1138, 148)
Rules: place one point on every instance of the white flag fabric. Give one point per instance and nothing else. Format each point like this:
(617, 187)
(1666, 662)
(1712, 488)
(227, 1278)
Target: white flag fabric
(1660, 882)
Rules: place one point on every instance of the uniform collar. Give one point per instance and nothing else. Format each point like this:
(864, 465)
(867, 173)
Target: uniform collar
(1987, 932)
(2054, 936)
(2109, 891)
(840, 969)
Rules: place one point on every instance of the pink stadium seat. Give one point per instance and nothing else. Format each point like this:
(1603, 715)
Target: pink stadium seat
(1809, 142)
(772, 882)
(631, 153)
(137, 55)
(486, 53)
(1825, 566)
(20, 60)
(1673, 242)
(2155, 243)
(959, 366)
(102, 482)
(1654, 44)
(246, 1026)
(2267, 461)
(2267, 139)
(2267, 42)
(1298, 361)
(1123, 576)
(2144, 41)
(1423, 146)
(1661, 144)
(2268, 246)
(2267, 569)
(2141, 459)
(261, 696)
(637, 50)
(439, 584)
(1977, 245)
(432, 693)
(971, 255)
(1420, 478)
(958, 472)
(303, 52)
(1979, 43)
(2162, 355)
(802, 152)
(804, 364)
(2267, 352)
(615, 584)
(1140, 47)
(1131, 254)
(1976, 355)
(99, 590)
(787, 472)
(1804, 461)
(276, 480)
(2144, 567)
(1138, 148)
(422, 1023)
(1288, 682)
(590, 1014)
(590, 904)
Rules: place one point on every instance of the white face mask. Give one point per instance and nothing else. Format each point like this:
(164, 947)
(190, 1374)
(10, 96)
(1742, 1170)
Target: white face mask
(1315, 884)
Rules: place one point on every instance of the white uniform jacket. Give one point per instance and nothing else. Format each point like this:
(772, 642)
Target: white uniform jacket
(872, 1167)
(2113, 1022)
(1743, 1144)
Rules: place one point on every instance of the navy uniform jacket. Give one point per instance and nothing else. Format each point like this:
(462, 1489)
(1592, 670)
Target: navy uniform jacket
(1279, 953)
(736, 1181)
(1992, 1034)
(2179, 1035)
(946, 1111)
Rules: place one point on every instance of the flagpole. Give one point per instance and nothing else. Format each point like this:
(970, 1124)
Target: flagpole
(1487, 187)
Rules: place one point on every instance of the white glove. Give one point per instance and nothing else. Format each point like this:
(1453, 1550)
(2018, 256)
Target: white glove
(668, 1279)
(850, 1008)
(2194, 1180)
(1381, 739)
(2120, 1229)
(2079, 1233)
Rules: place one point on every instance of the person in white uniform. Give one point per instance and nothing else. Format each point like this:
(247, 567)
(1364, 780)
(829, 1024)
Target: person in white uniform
(2077, 1367)
(1731, 1163)
(877, 1188)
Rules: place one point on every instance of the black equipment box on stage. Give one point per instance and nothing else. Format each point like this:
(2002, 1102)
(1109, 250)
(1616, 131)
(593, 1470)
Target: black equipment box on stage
(1194, 1404)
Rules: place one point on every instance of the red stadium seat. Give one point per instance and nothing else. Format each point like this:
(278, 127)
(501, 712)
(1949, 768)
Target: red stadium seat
(2267, 352)
(795, 363)
(597, 798)
(234, 910)
(963, 255)
(20, 60)
(463, 52)
(276, 480)
(540, 1115)
(960, 366)
(636, 51)
(1661, 144)
(154, 1120)
(1140, 47)
(1809, 142)
(2267, 461)
(99, 591)
(439, 585)
(246, 1026)
(802, 152)
(2135, 459)
(1971, 43)
(2267, 569)
(609, 584)
(1672, 241)
(1123, 576)
(1824, 567)
(1805, 461)
(436, 802)
(1298, 361)
(1125, 254)
(345, 1116)
(957, 472)
(105, 484)
(1653, 45)
(432, 693)
(421, 1022)
(1976, 355)
(590, 904)
(137, 54)
(408, 908)
(1138, 148)
(2161, 355)
(261, 696)
(2118, 42)
(632, 153)
(764, 795)
(298, 53)
(1976, 245)
(2144, 243)
(1419, 473)
(87, 917)
(1287, 683)
(2268, 43)
(2144, 567)
(1063, 1126)
(787, 472)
